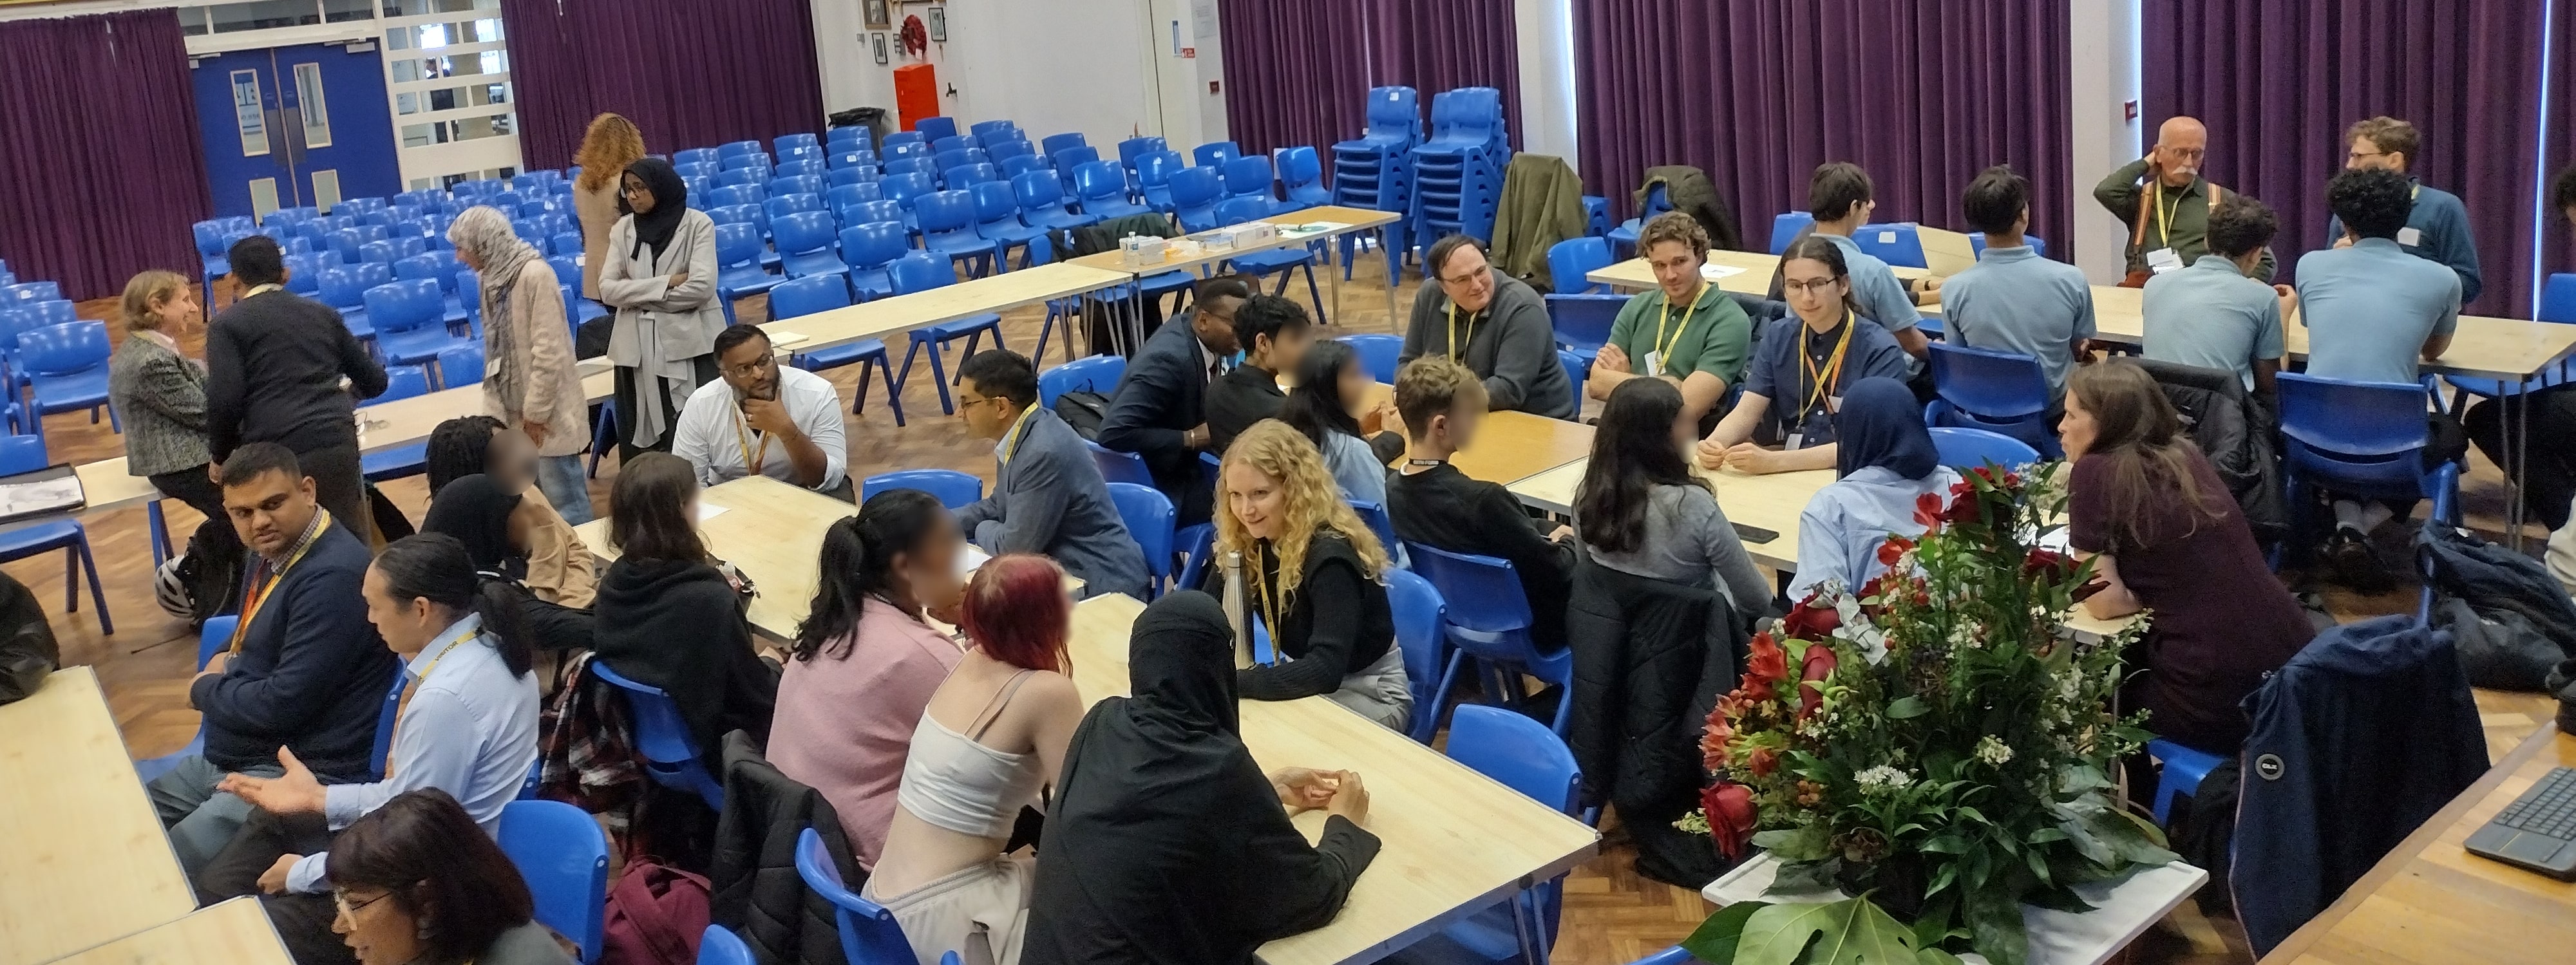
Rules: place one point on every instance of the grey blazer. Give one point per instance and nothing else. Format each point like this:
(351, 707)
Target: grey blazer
(161, 396)
(1049, 498)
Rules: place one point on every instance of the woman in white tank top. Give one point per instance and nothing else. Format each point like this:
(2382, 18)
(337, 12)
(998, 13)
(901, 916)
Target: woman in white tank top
(994, 735)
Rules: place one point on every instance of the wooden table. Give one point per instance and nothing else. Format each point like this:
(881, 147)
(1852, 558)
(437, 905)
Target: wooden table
(2430, 901)
(886, 316)
(1349, 220)
(87, 861)
(234, 932)
(1511, 446)
(1753, 276)
(770, 530)
(1455, 841)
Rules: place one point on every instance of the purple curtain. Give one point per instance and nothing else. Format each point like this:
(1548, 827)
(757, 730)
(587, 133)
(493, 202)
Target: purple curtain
(1759, 92)
(1296, 72)
(1437, 45)
(2278, 81)
(103, 174)
(689, 73)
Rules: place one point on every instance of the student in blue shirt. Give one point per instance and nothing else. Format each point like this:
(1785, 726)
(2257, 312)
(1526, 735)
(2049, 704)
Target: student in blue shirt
(1801, 368)
(1840, 196)
(2013, 300)
(2437, 226)
(2214, 314)
(1884, 462)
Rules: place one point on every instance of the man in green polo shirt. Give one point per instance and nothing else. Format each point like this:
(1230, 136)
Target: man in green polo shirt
(2166, 204)
(1686, 331)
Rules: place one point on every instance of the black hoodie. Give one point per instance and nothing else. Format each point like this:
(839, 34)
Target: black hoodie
(676, 626)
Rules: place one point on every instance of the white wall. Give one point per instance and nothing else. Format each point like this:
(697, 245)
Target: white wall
(2102, 137)
(1051, 65)
(1547, 124)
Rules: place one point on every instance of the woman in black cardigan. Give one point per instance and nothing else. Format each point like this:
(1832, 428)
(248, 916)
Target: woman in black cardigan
(667, 617)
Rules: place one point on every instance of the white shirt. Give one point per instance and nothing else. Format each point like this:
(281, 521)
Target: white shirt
(712, 434)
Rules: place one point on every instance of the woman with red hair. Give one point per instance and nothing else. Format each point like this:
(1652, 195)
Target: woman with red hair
(995, 733)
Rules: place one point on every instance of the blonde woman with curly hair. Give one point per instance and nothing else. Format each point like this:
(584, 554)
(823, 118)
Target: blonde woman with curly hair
(607, 148)
(1314, 574)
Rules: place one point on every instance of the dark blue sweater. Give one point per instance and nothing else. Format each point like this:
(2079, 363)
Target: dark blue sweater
(311, 675)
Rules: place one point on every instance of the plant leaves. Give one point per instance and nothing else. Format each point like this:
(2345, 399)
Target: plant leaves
(1935, 956)
(1806, 877)
(1849, 932)
(1995, 927)
(1946, 844)
(1714, 940)
(1792, 845)
(2060, 898)
(1907, 708)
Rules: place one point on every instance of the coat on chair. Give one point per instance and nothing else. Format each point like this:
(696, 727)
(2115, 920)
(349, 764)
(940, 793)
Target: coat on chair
(1651, 659)
(755, 889)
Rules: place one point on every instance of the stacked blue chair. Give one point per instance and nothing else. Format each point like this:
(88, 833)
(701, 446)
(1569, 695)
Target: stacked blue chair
(27, 454)
(1375, 170)
(401, 382)
(2000, 392)
(563, 854)
(1458, 172)
(806, 296)
(922, 271)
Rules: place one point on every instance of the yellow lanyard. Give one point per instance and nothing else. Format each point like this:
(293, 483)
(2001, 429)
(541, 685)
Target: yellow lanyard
(2165, 215)
(411, 687)
(1269, 606)
(1018, 434)
(1453, 352)
(259, 597)
(1664, 346)
(1833, 368)
(742, 435)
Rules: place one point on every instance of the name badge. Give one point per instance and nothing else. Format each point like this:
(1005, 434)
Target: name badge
(1654, 364)
(2410, 236)
(2163, 260)
(1796, 439)
(1834, 404)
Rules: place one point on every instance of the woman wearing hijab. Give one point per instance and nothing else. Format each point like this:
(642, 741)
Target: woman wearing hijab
(1884, 459)
(483, 515)
(528, 378)
(661, 279)
(1166, 843)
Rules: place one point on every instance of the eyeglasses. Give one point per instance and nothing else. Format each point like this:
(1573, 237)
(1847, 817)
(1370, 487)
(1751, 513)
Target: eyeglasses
(964, 400)
(1812, 285)
(1466, 279)
(340, 897)
(755, 367)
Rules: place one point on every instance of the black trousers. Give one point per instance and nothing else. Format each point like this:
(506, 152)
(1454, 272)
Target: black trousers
(191, 486)
(2549, 478)
(341, 486)
(633, 391)
(303, 922)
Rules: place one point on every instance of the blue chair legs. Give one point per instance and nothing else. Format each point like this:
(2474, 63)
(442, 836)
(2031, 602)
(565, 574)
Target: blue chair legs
(2183, 770)
(894, 387)
(77, 559)
(160, 534)
(602, 437)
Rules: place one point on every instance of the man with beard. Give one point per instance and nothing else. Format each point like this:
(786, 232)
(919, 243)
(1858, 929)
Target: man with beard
(764, 419)
(2167, 204)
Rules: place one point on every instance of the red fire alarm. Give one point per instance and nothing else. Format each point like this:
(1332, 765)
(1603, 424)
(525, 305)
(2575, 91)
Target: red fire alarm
(1189, 53)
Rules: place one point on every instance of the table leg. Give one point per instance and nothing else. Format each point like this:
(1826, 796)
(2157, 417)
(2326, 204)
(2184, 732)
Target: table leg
(1385, 238)
(1332, 277)
(2516, 425)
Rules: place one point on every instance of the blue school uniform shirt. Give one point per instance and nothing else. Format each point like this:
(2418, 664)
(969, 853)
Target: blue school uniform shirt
(2013, 300)
(2212, 316)
(2437, 230)
(1840, 530)
(1778, 373)
(1881, 295)
(2370, 308)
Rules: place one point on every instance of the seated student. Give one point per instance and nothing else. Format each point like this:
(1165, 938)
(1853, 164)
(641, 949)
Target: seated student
(667, 617)
(1048, 496)
(1640, 511)
(866, 659)
(1801, 368)
(556, 566)
(1159, 410)
(304, 670)
(2214, 314)
(1885, 460)
(1166, 843)
(466, 725)
(416, 881)
(2013, 300)
(1494, 325)
(1840, 196)
(1432, 503)
(1274, 334)
(994, 734)
(2161, 529)
(481, 514)
(1312, 573)
(764, 419)
(1341, 423)
(2437, 224)
(2372, 312)
(1646, 341)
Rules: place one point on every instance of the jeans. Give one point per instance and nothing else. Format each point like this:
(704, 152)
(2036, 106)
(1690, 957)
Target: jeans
(566, 486)
(200, 820)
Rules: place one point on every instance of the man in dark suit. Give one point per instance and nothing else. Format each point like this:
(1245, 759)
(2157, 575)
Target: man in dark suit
(1274, 334)
(1160, 409)
(306, 671)
(274, 365)
(1048, 496)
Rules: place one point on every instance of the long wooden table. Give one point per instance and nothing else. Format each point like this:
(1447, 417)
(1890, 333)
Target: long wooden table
(886, 316)
(2430, 901)
(234, 932)
(1348, 220)
(87, 861)
(770, 530)
(1742, 272)
(1455, 841)
(1511, 446)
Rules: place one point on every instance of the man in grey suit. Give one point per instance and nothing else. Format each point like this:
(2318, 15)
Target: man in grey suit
(1048, 496)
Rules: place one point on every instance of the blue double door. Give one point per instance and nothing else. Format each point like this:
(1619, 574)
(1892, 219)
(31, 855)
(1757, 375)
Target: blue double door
(293, 126)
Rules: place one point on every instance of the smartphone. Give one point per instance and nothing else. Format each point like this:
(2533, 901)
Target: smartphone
(1753, 534)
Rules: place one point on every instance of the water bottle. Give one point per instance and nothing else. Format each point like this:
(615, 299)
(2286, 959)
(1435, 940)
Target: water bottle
(1236, 613)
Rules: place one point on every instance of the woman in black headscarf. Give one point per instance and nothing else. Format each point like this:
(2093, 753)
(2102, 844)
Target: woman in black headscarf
(483, 515)
(1885, 460)
(661, 279)
(1167, 844)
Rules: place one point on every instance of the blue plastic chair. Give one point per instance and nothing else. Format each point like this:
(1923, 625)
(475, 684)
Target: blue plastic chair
(970, 174)
(1275, 261)
(1570, 260)
(460, 365)
(720, 946)
(1582, 322)
(1379, 353)
(2557, 304)
(1301, 173)
(2002, 392)
(1624, 237)
(563, 854)
(738, 271)
(869, 933)
(1896, 244)
(934, 128)
(1786, 228)
(1118, 467)
(1071, 159)
(869, 246)
(27, 454)
(1966, 449)
(997, 220)
(1417, 608)
(922, 271)
(409, 319)
(401, 382)
(1524, 756)
(1131, 149)
(947, 220)
(805, 245)
(1488, 617)
(1149, 518)
(67, 365)
(955, 490)
(1102, 187)
(1576, 370)
(1250, 177)
(1098, 373)
(1194, 193)
(216, 635)
(1154, 178)
(2362, 440)
(1215, 154)
(1058, 142)
(822, 293)
(2183, 769)
(1042, 203)
(662, 735)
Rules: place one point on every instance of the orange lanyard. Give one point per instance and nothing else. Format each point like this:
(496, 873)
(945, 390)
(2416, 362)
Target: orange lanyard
(752, 459)
(403, 703)
(1833, 368)
(258, 597)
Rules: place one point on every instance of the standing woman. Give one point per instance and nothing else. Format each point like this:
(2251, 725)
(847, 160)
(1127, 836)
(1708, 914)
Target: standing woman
(607, 148)
(661, 278)
(1341, 422)
(1885, 461)
(161, 394)
(528, 378)
(1640, 511)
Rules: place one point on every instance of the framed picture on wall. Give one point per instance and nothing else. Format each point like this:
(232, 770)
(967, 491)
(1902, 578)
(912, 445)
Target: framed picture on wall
(876, 16)
(939, 25)
(880, 45)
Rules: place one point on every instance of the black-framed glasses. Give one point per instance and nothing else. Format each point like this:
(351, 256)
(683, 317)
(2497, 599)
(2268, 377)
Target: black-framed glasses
(755, 367)
(1812, 285)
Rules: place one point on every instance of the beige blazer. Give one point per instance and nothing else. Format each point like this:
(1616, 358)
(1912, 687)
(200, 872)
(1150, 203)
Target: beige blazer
(545, 365)
(598, 213)
(683, 321)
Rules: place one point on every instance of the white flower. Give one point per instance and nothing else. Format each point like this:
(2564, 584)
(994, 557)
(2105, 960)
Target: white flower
(1963, 636)
(2070, 685)
(1993, 751)
(1882, 779)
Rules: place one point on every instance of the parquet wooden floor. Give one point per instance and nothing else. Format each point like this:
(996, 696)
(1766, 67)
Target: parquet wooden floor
(1611, 914)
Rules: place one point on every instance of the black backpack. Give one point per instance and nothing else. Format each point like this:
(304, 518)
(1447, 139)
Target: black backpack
(1084, 411)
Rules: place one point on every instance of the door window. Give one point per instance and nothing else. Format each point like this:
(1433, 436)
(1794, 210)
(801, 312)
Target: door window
(249, 113)
(316, 113)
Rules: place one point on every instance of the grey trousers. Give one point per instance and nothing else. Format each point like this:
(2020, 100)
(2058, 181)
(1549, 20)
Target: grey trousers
(200, 820)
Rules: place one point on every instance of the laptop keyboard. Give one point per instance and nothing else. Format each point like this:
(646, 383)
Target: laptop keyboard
(2548, 809)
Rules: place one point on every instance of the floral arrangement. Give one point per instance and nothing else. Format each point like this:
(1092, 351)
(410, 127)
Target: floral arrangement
(1931, 743)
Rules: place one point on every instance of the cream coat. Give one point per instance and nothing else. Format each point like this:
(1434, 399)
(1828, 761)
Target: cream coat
(553, 393)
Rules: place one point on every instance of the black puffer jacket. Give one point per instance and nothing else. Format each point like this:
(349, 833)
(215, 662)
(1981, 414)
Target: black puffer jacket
(1650, 660)
(2234, 429)
(757, 892)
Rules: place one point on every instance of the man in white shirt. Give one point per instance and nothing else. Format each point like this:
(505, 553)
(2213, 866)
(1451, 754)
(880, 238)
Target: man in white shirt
(764, 419)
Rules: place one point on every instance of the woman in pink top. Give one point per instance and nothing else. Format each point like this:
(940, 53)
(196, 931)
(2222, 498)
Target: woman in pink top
(866, 660)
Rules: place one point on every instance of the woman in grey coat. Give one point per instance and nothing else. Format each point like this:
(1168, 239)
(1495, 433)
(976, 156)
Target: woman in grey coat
(160, 395)
(660, 276)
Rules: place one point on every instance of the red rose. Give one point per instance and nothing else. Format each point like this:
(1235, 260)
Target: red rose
(2049, 563)
(1893, 549)
(1762, 761)
(1808, 622)
(1927, 510)
(1729, 807)
(1753, 690)
(1964, 505)
(1769, 663)
(1818, 665)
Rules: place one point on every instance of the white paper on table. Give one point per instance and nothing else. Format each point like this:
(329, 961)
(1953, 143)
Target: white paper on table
(707, 512)
(1715, 272)
(970, 560)
(1311, 228)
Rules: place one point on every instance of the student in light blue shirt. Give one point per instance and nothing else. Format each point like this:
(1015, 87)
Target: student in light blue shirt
(1840, 195)
(2437, 225)
(1885, 462)
(2372, 309)
(2214, 314)
(2013, 300)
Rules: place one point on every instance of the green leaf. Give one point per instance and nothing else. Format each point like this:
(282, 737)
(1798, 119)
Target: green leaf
(1794, 845)
(1714, 940)
(1806, 877)
(2046, 835)
(1946, 844)
(2058, 897)
(1995, 927)
(1849, 932)
(1907, 708)
(1935, 956)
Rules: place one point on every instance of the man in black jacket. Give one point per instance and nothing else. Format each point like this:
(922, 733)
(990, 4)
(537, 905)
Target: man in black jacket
(1432, 503)
(1274, 333)
(275, 363)
(306, 670)
(1159, 411)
